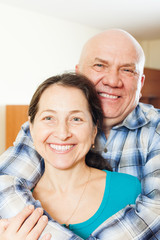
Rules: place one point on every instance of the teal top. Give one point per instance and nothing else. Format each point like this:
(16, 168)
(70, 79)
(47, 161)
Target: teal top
(120, 190)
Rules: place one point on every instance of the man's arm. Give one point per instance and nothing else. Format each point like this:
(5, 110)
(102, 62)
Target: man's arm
(142, 220)
(130, 223)
(22, 160)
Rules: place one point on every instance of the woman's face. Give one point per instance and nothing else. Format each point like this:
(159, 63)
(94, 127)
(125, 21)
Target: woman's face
(63, 131)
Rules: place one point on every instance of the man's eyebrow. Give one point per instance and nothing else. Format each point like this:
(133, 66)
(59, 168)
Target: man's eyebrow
(101, 60)
(123, 65)
(128, 65)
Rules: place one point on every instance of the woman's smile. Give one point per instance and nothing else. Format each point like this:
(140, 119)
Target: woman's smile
(62, 148)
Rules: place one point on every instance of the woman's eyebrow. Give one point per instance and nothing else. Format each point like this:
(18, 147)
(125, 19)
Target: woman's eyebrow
(54, 111)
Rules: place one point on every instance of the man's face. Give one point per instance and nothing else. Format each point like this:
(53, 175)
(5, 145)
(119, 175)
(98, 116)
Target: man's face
(116, 72)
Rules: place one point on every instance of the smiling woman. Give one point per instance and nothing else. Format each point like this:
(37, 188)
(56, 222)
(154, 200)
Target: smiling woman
(78, 188)
(65, 114)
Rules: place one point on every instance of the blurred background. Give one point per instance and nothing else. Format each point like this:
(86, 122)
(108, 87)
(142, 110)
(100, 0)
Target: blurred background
(41, 38)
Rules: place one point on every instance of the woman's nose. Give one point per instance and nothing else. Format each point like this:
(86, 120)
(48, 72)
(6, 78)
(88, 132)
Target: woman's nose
(62, 131)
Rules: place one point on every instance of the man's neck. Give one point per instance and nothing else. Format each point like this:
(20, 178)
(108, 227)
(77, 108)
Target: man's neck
(106, 132)
(108, 123)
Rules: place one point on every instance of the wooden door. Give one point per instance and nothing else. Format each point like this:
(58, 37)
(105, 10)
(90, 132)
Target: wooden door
(16, 115)
(151, 88)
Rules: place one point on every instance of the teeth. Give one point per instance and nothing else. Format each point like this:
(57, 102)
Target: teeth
(61, 147)
(108, 96)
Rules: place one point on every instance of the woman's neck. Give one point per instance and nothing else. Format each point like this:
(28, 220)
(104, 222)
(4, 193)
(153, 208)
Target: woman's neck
(74, 190)
(64, 180)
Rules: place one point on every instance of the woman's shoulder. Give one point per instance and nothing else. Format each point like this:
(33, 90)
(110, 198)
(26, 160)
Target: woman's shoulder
(116, 179)
(98, 179)
(97, 173)
(124, 181)
(122, 176)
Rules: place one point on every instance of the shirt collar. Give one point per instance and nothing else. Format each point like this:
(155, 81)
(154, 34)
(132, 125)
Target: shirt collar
(136, 119)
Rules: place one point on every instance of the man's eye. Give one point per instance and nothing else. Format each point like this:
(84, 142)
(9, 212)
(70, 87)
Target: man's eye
(99, 65)
(128, 70)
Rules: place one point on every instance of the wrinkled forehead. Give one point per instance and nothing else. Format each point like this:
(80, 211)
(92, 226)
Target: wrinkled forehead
(116, 45)
(104, 49)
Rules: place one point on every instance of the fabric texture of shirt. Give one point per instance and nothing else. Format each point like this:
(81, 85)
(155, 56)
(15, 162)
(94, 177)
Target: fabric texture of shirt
(133, 147)
(120, 190)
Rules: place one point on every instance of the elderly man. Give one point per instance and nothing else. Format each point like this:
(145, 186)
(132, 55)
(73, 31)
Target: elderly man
(113, 60)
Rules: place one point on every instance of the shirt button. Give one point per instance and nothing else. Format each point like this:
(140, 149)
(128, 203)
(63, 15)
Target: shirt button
(105, 150)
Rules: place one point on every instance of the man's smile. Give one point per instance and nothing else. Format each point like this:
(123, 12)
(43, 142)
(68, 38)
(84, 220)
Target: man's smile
(106, 95)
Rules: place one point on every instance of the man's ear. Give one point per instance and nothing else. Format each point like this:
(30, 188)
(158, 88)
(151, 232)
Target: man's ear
(142, 84)
(142, 80)
(77, 68)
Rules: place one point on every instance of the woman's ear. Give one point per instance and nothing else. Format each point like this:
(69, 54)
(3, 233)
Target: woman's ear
(94, 133)
(29, 122)
(30, 125)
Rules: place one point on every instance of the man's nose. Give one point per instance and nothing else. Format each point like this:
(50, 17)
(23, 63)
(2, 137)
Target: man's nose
(62, 131)
(112, 78)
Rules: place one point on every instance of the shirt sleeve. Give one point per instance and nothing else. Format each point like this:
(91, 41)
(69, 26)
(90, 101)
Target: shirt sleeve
(22, 160)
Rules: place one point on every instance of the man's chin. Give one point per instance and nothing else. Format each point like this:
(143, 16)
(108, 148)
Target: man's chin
(112, 119)
(111, 114)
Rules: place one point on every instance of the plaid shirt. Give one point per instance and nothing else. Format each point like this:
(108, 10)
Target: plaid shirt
(133, 147)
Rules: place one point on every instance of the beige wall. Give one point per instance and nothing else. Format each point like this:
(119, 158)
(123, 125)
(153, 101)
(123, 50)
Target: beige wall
(152, 53)
(34, 47)
(2, 128)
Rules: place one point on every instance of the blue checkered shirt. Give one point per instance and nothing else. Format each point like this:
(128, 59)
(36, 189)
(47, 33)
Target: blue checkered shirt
(132, 147)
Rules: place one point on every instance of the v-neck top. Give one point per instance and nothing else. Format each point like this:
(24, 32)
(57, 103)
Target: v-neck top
(120, 190)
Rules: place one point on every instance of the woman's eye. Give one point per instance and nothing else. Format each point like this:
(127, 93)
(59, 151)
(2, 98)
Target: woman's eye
(76, 119)
(48, 118)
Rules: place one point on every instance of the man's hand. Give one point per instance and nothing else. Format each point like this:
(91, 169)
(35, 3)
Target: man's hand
(27, 225)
